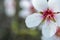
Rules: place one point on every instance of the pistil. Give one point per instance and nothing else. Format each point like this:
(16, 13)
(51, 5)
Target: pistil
(49, 15)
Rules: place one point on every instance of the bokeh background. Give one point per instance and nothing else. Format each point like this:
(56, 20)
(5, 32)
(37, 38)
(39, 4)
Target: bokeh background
(12, 20)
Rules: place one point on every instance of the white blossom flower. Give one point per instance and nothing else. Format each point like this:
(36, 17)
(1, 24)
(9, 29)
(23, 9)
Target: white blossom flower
(25, 5)
(48, 16)
(27, 8)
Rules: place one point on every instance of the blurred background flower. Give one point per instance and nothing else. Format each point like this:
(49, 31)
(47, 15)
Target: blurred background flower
(27, 8)
(9, 7)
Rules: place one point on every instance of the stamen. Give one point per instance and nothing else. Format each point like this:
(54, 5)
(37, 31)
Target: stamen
(41, 12)
(56, 12)
(49, 15)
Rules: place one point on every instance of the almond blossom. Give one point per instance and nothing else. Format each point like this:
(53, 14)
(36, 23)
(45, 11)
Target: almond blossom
(47, 17)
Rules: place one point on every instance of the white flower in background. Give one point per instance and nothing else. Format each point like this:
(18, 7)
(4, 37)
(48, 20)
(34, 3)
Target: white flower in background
(48, 16)
(9, 7)
(25, 5)
(27, 8)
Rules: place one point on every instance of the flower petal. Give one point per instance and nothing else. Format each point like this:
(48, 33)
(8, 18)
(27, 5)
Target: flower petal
(40, 5)
(51, 38)
(54, 5)
(49, 29)
(24, 4)
(57, 17)
(33, 20)
(24, 13)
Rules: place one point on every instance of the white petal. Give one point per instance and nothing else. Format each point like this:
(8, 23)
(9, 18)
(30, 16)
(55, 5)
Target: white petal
(49, 29)
(40, 5)
(24, 4)
(33, 20)
(24, 13)
(51, 38)
(57, 17)
(54, 5)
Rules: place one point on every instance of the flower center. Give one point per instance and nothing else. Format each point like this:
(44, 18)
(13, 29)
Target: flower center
(58, 32)
(48, 14)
